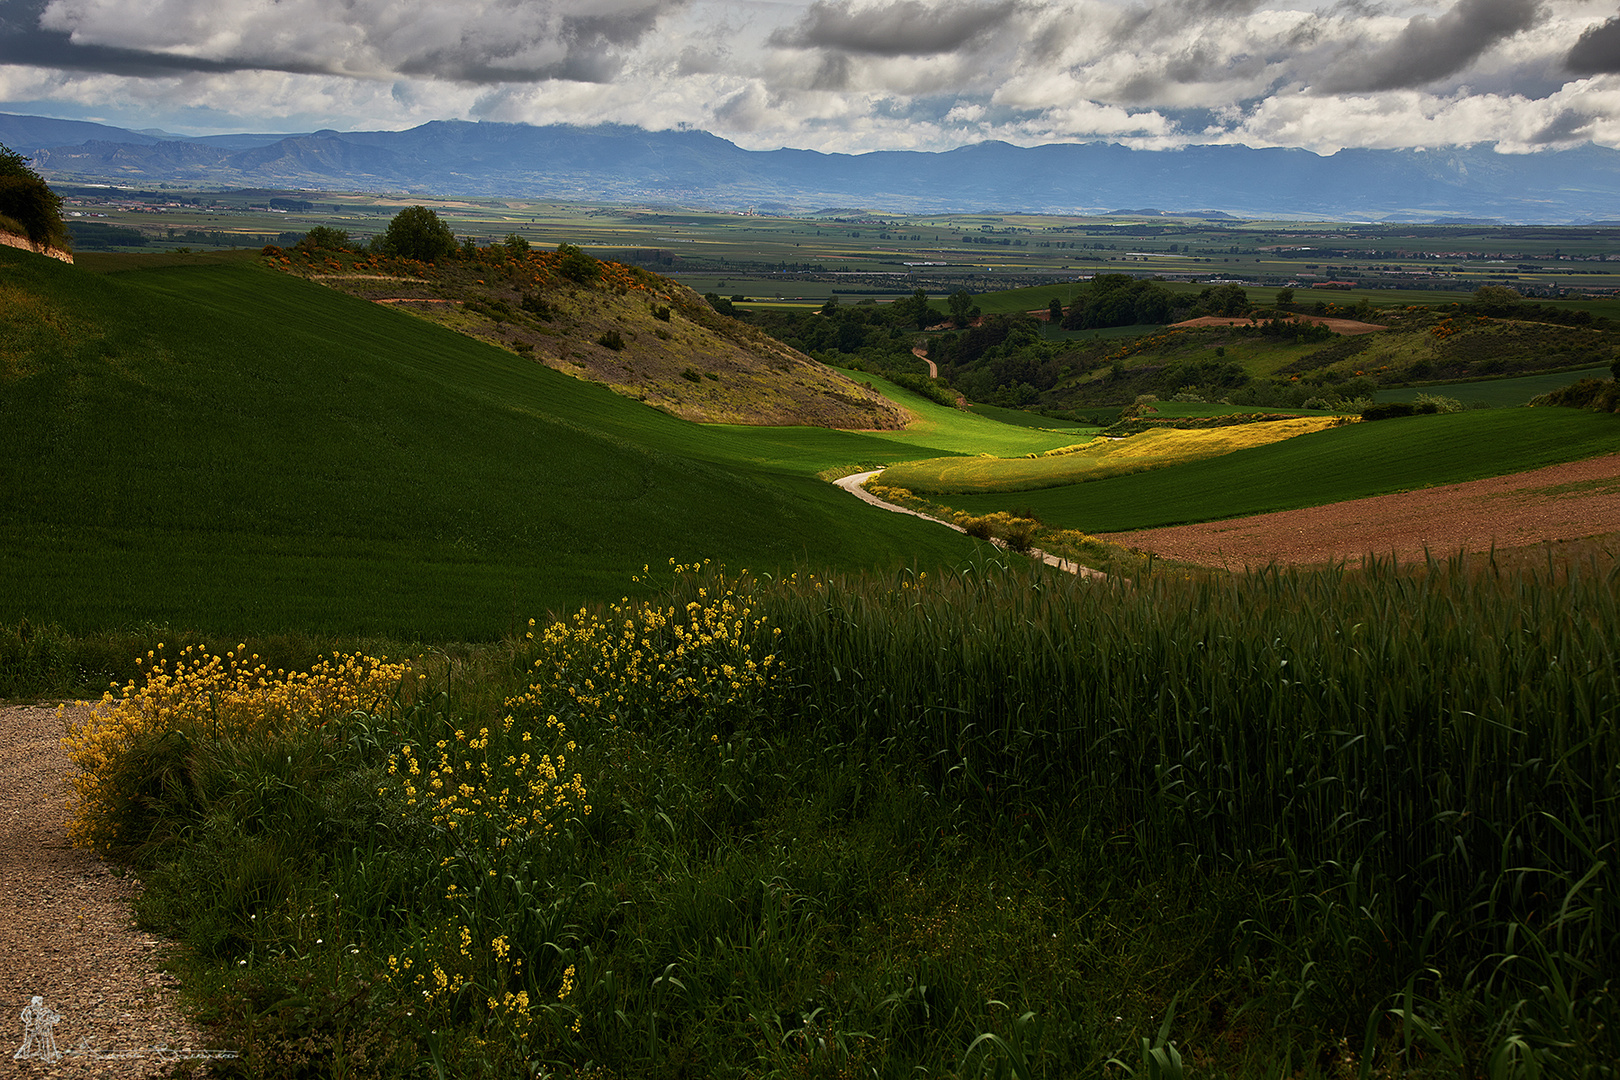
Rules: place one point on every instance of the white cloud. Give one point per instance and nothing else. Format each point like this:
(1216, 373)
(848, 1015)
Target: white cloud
(843, 75)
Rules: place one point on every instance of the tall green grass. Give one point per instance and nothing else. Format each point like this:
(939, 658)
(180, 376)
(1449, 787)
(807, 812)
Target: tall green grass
(1347, 822)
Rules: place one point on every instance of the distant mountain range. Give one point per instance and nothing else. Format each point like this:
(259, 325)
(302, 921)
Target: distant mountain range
(694, 168)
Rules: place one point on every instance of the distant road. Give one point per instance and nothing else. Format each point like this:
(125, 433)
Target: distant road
(919, 353)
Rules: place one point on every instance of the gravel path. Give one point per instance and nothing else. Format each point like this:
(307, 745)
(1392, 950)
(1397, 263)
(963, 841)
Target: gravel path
(1558, 503)
(66, 933)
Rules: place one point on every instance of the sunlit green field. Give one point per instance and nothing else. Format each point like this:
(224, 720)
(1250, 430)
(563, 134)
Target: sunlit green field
(1495, 393)
(939, 427)
(1093, 460)
(1327, 466)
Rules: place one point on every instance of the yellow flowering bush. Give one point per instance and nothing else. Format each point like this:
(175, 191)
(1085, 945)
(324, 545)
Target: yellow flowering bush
(493, 802)
(201, 696)
(643, 661)
(511, 790)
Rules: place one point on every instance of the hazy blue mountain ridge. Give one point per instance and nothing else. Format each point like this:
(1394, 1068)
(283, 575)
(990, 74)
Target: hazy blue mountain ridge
(617, 163)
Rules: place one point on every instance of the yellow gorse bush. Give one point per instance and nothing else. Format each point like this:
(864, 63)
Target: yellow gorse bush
(205, 696)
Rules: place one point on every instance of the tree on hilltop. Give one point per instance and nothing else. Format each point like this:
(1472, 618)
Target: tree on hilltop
(325, 238)
(577, 266)
(28, 206)
(1496, 299)
(417, 233)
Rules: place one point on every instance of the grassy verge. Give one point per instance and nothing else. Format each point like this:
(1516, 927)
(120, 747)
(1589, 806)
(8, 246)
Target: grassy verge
(1310, 824)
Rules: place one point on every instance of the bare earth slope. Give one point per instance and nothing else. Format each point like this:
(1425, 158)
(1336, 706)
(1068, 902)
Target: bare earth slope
(643, 336)
(1561, 502)
(65, 929)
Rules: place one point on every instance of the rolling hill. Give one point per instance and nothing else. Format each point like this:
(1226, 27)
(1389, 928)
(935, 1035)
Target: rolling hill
(641, 335)
(216, 445)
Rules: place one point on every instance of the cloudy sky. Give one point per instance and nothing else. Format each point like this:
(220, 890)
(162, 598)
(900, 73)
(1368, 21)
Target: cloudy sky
(840, 75)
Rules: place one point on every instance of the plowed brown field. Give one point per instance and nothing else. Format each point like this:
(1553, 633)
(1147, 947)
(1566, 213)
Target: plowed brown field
(1576, 501)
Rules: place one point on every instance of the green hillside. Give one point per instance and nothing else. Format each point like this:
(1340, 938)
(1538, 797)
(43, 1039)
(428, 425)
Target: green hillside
(226, 448)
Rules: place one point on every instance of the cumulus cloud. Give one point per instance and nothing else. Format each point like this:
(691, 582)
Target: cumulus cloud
(846, 75)
(1430, 49)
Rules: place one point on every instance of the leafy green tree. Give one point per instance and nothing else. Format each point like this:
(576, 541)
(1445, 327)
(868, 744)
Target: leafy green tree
(1055, 311)
(960, 304)
(830, 307)
(1496, 299)
(417, 233)
(515, 245)
(325, 238)
(1229, 300)
(579, 267)
(27, 204)
(915, 310)
(1285, 298)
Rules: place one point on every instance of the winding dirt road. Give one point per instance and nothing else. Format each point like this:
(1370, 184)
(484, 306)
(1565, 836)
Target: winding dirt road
(852, 484)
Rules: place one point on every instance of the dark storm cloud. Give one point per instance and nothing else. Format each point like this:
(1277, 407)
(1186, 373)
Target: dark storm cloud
(488, 42)
(593, 48)
(23, 42)
(1598, 50)
(1431, 49)
(899, 28)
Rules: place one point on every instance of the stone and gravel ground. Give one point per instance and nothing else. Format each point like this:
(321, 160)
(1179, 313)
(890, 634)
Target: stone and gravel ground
(66, 933)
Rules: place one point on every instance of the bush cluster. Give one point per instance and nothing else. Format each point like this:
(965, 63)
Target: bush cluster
(27, 204)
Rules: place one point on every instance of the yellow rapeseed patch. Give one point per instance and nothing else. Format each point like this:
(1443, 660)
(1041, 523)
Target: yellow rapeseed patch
(203, 696)
(1099, 458)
